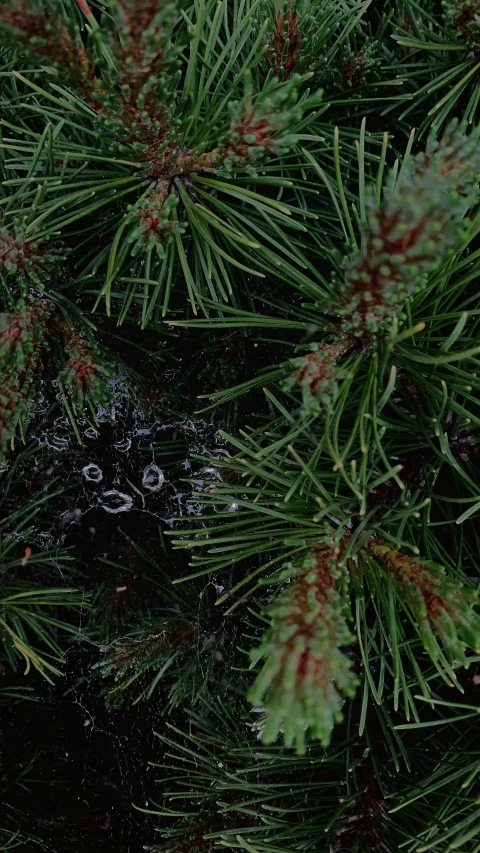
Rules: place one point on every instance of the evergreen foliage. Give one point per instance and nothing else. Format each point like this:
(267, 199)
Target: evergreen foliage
(304, 668)
(239, 328)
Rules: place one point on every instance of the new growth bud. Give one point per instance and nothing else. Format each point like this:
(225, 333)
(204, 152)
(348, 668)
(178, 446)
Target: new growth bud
(409, 237)
(305, 674)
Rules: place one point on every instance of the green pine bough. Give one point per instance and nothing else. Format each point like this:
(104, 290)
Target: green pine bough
(284, 194)
(305, 672)
(365, 447)
(159, 141)
(27, 337)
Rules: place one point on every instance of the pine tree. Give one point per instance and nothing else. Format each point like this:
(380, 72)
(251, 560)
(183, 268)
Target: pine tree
(239, 425)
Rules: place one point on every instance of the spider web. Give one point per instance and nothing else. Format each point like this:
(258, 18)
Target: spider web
(133, 473)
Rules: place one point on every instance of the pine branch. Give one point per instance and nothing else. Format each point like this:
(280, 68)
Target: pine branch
(128, 659)
(129, 92)
(32, 603)
(464, 16)
(319, 376)
(180, 158)
(24, 262)
(445, 65)
(305, 674)
(362, 822)
(84, 375)
(26, 336)
(22, 345)
(436, 602)
(419, 222)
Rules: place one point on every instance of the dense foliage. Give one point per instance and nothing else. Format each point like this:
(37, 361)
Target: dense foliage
(239, 425)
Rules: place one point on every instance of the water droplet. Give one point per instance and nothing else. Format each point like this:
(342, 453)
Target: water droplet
(153, 478)
(91, 433)
(115, 501)
(58, 442)
(144, 431)
(92, 473)
(123, 446)
(71, 516)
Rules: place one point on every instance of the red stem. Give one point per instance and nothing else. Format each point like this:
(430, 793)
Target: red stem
(85, 8)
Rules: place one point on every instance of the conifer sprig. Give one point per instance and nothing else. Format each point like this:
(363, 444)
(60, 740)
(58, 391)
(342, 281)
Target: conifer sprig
(464, 16)
(23, 343)
(362, 823)
(436, 602)
(128, 659)
(305, 674)
(84, 375)
(27, 348)
(301, 35)
(319, 375)
(419, 222)
(445, 62)
(413, 228)
(24, 263)
(33, 613)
